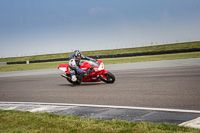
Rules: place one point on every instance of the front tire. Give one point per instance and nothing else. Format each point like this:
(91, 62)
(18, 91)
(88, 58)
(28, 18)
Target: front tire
(108, 78)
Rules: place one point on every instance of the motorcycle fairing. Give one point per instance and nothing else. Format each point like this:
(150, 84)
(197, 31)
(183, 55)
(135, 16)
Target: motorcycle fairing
(64, 67)
(99, 70)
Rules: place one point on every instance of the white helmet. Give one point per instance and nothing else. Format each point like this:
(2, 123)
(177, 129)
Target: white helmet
(72, 63)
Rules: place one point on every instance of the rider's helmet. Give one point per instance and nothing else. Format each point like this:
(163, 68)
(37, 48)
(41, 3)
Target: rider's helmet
(77, 54)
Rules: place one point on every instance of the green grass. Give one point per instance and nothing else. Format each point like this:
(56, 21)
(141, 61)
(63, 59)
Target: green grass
(19, 67)
(152, 58)
(187, 45)
(18, 121)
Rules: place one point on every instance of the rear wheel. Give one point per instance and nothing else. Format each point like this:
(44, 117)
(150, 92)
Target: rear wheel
(78, 82)
(108, 78)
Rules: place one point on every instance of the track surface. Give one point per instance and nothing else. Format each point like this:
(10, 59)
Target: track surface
(170, 87)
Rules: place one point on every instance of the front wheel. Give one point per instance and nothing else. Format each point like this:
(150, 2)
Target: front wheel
(108, 78)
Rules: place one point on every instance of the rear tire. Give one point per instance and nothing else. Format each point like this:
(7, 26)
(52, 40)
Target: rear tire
(78, 82)
(110, 78)
(74, 83)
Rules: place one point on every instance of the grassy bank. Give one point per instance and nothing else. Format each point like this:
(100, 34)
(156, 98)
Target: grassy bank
(187, 45)
(16, 121)
(19, 67)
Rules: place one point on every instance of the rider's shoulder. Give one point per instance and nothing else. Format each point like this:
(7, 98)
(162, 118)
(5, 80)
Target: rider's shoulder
(72, 56)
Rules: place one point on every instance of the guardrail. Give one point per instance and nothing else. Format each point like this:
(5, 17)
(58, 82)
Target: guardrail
(114, 56)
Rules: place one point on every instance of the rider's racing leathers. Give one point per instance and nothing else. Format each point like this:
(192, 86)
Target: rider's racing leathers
(76, 68)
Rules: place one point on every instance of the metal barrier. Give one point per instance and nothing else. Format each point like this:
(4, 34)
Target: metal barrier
(114, 56)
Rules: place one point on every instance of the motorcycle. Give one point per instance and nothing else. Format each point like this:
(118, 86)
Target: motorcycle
(98, 72)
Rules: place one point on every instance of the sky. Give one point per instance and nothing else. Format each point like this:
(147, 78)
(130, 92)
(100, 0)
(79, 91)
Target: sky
(34, 27)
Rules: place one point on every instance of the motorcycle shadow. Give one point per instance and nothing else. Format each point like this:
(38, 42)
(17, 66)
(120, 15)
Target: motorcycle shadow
(83, 84)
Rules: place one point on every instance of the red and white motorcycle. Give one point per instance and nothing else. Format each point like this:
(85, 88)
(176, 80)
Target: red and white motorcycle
(98, 72)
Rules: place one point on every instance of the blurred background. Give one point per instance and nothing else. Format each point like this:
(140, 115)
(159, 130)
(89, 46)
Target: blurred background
(34, 27)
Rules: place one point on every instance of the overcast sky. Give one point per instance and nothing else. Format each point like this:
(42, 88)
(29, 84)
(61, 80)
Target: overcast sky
(29, 27)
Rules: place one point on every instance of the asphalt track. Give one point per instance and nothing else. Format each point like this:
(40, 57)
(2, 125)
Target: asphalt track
(166, 87)
(174, 86)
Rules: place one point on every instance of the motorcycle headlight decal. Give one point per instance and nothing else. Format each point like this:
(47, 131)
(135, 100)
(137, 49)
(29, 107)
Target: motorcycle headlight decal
(101, 66)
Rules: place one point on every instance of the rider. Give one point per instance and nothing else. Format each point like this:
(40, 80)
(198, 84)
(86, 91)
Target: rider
(74, 64)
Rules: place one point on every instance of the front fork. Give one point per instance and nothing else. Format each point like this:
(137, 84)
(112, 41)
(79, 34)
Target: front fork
(103, 74)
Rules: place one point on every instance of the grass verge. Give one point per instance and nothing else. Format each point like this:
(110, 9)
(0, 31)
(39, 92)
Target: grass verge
(18, 121)
(19, 67)
(186, 45)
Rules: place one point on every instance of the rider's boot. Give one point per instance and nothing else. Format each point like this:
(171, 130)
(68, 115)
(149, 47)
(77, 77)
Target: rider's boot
(74, 79)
